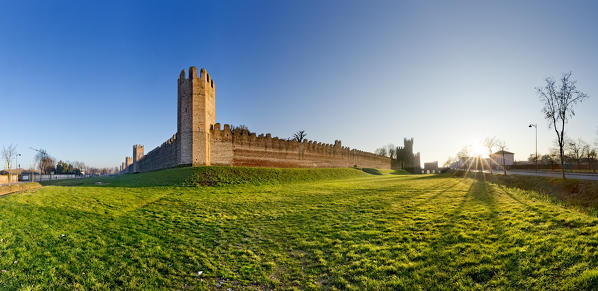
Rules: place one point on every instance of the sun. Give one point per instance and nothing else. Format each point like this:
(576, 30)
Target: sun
(478, 150)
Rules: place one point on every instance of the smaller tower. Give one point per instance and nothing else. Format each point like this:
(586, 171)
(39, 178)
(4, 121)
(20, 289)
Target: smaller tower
(137, 156)
(137, 153)
(128, 162)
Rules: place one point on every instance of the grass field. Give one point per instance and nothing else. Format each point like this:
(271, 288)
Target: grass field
(295, 228)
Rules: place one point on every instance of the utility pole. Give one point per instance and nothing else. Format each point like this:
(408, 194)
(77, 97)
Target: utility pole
(535, 125)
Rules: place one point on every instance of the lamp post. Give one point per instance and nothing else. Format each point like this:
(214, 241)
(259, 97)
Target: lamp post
(535, 125)
(17, 164)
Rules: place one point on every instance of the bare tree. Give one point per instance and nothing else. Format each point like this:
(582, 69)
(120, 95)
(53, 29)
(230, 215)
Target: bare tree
(240, 127)
(381, 151)
(449, 161)
(558, 107)
(393, 153)
(44, 162)
(463, 154)
(80, 166)
(576, 150)
(591, 155)
(299, 136)
(8, 154)
(391, 149)
(502, 146)
(490, 144)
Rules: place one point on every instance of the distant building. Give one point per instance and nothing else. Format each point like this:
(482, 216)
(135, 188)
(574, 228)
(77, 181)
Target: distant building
(405, 158)
(431, 167)
(509, 158)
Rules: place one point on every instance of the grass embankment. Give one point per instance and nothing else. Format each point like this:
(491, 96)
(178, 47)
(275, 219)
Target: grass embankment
(362, 232)
(7, 189)
(580, 193)
(214, 176)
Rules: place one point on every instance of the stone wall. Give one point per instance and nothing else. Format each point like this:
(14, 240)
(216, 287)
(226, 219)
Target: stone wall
(201, 141)
(242, 148)
(164, 156)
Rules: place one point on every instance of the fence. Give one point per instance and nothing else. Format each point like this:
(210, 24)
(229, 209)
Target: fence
(591, 166)
(41, 178)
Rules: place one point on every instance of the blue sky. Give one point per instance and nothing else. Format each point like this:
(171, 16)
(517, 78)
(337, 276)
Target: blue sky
(87, 80)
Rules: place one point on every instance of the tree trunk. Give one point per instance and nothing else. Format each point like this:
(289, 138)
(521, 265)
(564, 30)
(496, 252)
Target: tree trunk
(562, 164)
(504, 167)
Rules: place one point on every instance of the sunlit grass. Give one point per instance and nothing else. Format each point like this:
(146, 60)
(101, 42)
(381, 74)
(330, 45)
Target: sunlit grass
(360, 232)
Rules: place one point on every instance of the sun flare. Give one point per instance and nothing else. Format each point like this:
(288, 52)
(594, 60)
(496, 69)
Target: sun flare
(478, 150)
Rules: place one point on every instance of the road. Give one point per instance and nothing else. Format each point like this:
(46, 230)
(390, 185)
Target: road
(580, 176)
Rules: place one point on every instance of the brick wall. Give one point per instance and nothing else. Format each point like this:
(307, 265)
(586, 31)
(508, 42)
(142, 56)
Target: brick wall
(201, 141)
(242, 148)
(164, 156)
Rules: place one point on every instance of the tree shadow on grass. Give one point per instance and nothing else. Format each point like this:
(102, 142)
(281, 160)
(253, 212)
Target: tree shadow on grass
(438, 194)
(544, 216)
(457, 232)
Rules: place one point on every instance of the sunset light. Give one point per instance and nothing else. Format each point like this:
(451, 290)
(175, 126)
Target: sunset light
(478, 150)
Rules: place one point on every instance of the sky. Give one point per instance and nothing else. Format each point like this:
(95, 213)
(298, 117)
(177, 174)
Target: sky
(86, 80)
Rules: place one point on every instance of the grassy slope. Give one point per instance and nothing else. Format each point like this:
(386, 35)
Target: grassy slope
(7, 189)
(578, 193)
(376, 231)
(214, 176)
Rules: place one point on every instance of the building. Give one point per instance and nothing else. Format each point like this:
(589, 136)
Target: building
(405, 158)
(509, 158)
(431, 167)
(199, 140)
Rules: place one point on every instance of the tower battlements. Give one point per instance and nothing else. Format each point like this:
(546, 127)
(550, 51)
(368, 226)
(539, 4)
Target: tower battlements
(203, 77)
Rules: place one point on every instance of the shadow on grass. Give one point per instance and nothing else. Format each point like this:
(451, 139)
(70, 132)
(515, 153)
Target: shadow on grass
(469, 212)
(543, 214)
(400, 172)
(372, 171)
(431, 176)
(437, 195)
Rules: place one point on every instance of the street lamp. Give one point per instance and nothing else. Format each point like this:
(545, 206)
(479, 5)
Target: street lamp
(17, 162)
(535, 125)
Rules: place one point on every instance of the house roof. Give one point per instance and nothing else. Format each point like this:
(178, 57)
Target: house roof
(500, 153)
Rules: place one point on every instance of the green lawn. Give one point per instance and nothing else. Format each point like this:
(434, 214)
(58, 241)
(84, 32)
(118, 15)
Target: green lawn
(343, 230)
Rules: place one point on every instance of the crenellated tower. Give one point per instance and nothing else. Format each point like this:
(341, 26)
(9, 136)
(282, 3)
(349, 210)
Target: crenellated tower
(137, 155)
(196, 113)
(128, 162)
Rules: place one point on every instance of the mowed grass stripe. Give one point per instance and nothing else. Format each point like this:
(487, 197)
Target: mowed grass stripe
(360, 232)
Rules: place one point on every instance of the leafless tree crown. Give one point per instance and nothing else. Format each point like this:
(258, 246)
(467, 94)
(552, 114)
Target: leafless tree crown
(299, 136)
(558, 106)
(8, 154)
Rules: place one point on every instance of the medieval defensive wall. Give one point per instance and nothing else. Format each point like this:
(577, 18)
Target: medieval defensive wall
(199, 140)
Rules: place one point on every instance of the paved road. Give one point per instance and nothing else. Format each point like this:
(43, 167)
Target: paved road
(555, 174)
(581, 176)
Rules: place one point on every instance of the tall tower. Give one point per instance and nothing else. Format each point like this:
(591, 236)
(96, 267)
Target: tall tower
(196, 113)
(137, 155)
